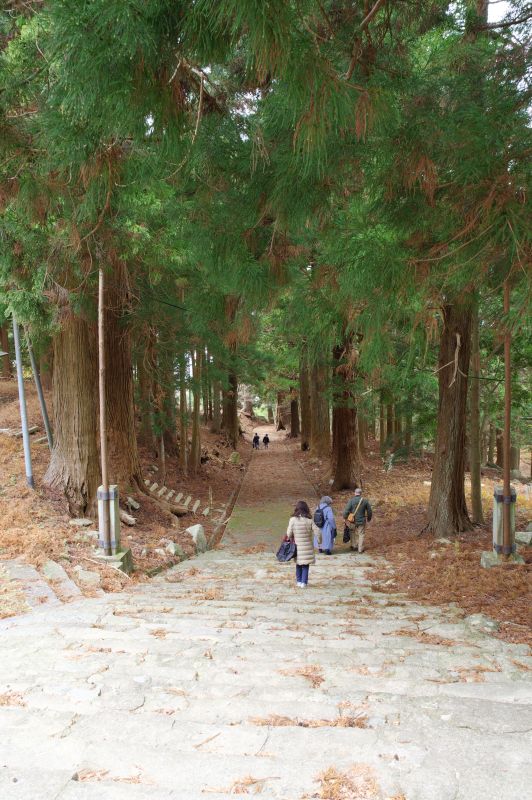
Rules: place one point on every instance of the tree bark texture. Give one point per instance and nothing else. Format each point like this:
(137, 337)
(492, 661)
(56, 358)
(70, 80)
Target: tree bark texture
(183, 416)
(46, 367)
(304, 402)
(230, 410)
(282, 412)
(7, 371)
(447, 504)
(294, 416)
(477, 516)
(320, 435)
(74, 468)
(345, 452)
(216, 407)
(145, 373)
(195, 447)
(124, 463)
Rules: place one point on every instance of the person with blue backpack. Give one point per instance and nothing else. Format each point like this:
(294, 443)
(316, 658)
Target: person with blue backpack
(324, 520)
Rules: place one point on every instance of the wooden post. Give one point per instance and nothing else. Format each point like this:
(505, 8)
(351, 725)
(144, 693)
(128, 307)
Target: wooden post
(106, 532)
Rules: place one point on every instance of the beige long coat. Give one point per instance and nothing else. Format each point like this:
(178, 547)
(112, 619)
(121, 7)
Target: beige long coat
(303, 530)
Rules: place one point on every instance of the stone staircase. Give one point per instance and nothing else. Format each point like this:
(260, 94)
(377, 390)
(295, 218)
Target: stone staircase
(220, 678)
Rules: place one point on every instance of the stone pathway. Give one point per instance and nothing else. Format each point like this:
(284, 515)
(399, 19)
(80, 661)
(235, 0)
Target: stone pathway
(222, 678)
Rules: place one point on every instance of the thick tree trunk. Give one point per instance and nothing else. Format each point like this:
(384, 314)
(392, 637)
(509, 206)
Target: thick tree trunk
(304, 401)
(271, 418)
(124, 463)
(477, 517)
(230, 411)
(183, 416)
(46, 367)
(145, 380)
(216, 408)
(74, 468)
(282, 412)
(345, 454)
(447, 505)
(515, 457)
(294, 416)
(248, 407)
(397, 431)
(195, 447)
(320, 435)
(7, 371)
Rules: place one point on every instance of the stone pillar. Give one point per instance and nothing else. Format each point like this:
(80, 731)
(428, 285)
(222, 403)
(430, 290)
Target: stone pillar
(114, 518)
(494, 558)
(498, 500)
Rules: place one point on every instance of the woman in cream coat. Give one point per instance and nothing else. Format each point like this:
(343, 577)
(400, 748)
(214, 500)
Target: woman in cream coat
(302, 530)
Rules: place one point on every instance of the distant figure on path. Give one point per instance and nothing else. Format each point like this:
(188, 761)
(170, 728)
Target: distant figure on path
(356, 512)
(256, 441)
(324, 520)
(302, 530)
(265, 441)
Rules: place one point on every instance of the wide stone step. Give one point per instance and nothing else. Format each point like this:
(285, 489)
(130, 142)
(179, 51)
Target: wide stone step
(37, 591)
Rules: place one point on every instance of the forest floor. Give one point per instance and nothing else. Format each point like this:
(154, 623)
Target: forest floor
(220, 677)
(425, 568)
(34, 525)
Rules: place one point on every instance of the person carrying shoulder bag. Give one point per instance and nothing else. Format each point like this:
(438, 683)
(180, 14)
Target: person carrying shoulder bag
(356, 513)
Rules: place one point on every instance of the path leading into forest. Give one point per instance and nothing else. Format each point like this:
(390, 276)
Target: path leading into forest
(222, 678)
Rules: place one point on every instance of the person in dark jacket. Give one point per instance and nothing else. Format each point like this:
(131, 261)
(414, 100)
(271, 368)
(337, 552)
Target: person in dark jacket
(356, 513)
(256, 441)
(265, 441)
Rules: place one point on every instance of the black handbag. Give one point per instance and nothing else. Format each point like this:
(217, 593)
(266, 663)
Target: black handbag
(347, 535)
(287, 551)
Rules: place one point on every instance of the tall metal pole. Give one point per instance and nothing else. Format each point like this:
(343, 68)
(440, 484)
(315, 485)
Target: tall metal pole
(42, 401)
(106, 532)
(506, 510)
(22, 404)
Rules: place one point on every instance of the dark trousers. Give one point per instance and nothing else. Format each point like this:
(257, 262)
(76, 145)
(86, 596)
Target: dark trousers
(302, 573)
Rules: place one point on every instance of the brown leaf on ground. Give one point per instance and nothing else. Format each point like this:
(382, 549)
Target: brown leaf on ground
(278, 721)
(358, 783)
(476, 674)
(247, 785)
(86, 775)
(12, 699)
(424, 637)
(311, 672)
(159, 633)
